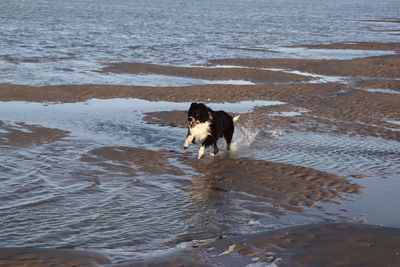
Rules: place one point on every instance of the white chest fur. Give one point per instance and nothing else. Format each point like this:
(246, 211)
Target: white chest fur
(201, 131)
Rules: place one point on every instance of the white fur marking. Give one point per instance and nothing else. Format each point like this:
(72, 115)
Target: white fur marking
(188, 140)
(202, 151)
(201, 131)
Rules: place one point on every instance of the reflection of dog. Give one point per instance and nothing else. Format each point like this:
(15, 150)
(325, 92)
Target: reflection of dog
(207, 126)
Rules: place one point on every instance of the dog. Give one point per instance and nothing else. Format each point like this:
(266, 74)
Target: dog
(206, 126)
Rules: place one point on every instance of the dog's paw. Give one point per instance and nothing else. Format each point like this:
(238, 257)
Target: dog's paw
(212, 154)
(185, 147)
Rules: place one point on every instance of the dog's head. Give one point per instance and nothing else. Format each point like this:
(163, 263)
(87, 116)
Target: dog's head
(198, 113)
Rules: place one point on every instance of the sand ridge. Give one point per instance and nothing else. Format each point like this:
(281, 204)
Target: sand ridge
(298, 246)
(38, 257)
(216, 73)
(286, 186)
(21, 134)
(133, 160)
(323, 244)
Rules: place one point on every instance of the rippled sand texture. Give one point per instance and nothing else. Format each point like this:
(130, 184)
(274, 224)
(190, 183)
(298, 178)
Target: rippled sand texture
(312, 245)
(37, 257)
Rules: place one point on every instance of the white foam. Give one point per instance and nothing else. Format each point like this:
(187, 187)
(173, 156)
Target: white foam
(244, 136)
(232, 82)
(384, 91)
(230, 249)
(247, 134)
(393, 122)
(318, 78)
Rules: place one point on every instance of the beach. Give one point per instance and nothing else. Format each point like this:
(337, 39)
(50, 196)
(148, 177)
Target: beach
(94, 172)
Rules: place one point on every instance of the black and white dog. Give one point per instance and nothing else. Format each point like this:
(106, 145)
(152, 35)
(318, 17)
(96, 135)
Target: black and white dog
(207, 126)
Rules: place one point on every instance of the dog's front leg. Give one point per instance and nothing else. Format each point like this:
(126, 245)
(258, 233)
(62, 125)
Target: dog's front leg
(189, 140)
(202, 151)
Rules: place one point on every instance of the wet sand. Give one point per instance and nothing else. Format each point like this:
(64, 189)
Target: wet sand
(133, 160)
(21, 134)
(38, 257)
(216, 73)
(204, 93)
(319, 245)
(376, 67)
(287, 186)
(326, 244)
(323, 244)
(175, 118)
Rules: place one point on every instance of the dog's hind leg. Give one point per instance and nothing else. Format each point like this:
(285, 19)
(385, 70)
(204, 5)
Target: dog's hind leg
(216, 150)
(228, 139)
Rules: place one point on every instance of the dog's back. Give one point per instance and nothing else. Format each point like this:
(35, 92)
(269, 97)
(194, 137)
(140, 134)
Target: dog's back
(223, 123)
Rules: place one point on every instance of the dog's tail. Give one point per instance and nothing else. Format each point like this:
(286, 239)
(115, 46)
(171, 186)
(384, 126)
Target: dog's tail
(235, 119)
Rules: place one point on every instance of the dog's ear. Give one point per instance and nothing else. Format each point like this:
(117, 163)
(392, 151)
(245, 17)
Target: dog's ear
(193, 105)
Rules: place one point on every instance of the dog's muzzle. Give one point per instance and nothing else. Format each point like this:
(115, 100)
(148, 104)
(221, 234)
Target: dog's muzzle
(193, 122)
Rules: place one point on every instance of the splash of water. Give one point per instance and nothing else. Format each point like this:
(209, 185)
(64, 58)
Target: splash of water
(248, 134)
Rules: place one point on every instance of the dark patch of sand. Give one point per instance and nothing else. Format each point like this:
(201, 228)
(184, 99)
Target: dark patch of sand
(248, 74)
(325, 244)
(320, 245)
(21, 134)
(174, 118)
(205, 93)
(284, 185)
(38, 257)
(133, 160)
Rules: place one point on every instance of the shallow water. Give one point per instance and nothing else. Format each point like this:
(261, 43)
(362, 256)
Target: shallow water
(376, 160)
(47, 42)
(49, 196)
